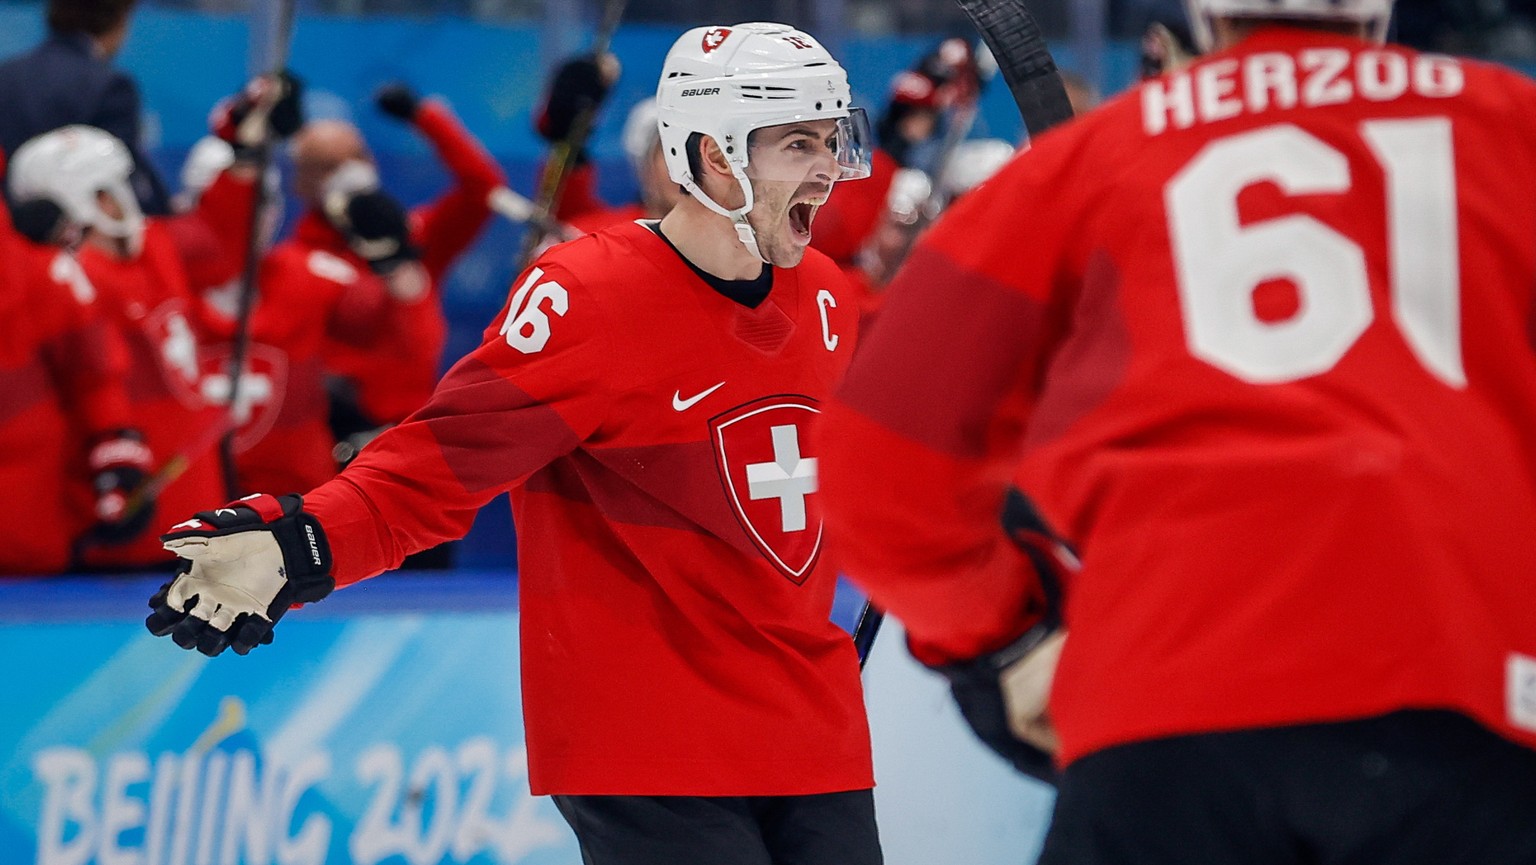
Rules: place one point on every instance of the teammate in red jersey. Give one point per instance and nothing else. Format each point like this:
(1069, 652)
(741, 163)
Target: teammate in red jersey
(1258, 339)
(66, 445)
(389, 381)
(647, 399)
(138, 273)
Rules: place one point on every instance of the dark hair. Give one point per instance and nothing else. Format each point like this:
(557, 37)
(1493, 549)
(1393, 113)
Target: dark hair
(693, 149)
(91, 17)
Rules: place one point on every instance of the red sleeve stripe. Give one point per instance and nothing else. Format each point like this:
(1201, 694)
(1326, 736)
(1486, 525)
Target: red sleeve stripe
(952, 341)
(265, 506)
(490, 431)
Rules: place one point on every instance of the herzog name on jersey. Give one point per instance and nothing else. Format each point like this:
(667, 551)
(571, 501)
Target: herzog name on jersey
(1274, 80)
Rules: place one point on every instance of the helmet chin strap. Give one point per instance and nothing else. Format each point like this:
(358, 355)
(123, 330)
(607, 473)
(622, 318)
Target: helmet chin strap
(738, 217)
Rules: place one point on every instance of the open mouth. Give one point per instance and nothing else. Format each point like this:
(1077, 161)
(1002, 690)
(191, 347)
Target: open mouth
(801, 215)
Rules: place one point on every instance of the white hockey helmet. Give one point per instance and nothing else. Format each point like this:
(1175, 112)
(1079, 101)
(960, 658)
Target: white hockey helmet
(641, 132)
(971, 163)
(72, 166)
(204, 163)
(1374, 13)
(724, 82)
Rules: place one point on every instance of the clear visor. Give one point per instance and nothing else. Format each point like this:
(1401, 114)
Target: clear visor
(812, 151)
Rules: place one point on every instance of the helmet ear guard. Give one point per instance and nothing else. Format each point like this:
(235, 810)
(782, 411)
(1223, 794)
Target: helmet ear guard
(1375, 14)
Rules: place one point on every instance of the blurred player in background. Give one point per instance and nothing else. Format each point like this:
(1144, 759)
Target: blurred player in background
(67, 449)
(140, 275)
(1258, 338)
(68, 78)
(283, 436)
(349, 215)
(647, 399)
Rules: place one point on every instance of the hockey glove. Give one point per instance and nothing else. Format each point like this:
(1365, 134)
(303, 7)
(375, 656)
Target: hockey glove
(376, 228)
(268, 109)
(398, 100)
(1003, 694)
(119, 464)
(244, 565)
(580, 85)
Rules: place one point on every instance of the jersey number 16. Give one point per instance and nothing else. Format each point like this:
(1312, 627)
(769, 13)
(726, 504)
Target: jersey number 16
(1220, 261)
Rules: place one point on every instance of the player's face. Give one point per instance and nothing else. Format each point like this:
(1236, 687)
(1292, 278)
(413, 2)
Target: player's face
(791, 168)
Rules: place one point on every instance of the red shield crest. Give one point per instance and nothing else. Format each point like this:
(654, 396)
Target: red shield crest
(172, 343)
(771, 479)
(262, 387)
(714, 37)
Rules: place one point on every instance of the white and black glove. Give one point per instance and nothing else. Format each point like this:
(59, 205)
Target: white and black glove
(244, 565)
(1003, 695)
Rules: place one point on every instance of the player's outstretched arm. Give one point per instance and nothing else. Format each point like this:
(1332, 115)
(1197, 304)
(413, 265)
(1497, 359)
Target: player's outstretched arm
(242, 566)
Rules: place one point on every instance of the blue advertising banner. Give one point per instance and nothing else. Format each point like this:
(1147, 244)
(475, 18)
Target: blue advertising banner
(382, 727)
(376, 738)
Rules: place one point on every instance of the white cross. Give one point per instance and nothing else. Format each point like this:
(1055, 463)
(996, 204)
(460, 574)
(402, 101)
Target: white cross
(255, 390)
(788, 478)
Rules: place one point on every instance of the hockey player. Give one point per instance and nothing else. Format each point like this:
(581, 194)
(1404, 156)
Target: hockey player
(388, 381)
(1257, 338)
(646, 398)
(66, 444)
(136, 269)
(307, 298)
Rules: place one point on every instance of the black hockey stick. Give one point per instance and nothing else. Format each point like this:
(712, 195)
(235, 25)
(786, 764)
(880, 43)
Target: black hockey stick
(1024, 60)
(1027, 66)
(562, 157)
(271, 35)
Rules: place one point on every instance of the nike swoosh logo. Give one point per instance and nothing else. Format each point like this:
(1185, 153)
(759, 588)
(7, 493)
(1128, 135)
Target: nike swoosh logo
(680, 404)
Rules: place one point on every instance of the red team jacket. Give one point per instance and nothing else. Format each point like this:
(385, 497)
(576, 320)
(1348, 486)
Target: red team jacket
(284, 440)
(1230, 336)
(147, 300)
(395, 379)
(60, 385)
(675, 590)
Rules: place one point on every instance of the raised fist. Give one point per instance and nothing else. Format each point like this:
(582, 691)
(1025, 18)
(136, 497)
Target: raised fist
(398, 100)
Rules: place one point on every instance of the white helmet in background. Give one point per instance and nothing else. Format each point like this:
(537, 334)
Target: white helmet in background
(204, 163)
(209, 158)
(971, 163)
(1376, 14)
(724, 82)
(73, 166)
(641, 133)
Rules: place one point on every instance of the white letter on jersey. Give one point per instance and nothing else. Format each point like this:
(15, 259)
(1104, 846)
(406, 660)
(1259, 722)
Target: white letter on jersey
(825, 301)
(527, 325)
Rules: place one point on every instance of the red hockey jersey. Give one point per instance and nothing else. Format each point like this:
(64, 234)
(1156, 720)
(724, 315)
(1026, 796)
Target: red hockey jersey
(147, 300)
(284, 439)
(394, 379)
(675, 590)
(61, 373)
(1258, 337)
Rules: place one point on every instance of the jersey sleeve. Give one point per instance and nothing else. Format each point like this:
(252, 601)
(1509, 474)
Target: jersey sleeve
(921, 439)
(532, 392)
(444, 228)
(86, 357)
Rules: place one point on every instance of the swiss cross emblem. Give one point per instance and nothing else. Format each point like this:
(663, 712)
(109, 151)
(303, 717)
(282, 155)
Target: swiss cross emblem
(714, 37)
(262, 387)
(771, 480)
(174, 345)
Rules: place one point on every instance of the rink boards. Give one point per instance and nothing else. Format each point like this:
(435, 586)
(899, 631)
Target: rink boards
(381, 728)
